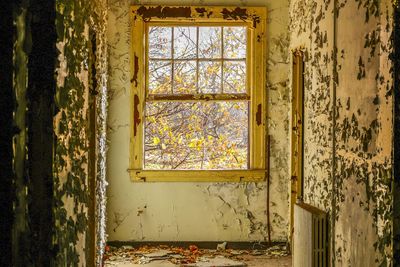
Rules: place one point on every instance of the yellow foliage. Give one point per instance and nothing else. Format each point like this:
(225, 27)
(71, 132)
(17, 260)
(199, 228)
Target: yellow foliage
(156, 140)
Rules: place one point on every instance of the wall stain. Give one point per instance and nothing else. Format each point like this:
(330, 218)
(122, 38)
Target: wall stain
(203, 12)
(258, 114)
(136, 70)
(240, 14)
(136, 114)
(163, 12)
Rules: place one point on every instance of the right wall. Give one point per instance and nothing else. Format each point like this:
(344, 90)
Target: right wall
(348, 122)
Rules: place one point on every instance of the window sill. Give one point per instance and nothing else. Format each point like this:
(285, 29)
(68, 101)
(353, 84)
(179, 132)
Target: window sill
(197, 176)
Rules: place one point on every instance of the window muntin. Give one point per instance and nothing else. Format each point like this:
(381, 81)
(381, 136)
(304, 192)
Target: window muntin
(199, 134)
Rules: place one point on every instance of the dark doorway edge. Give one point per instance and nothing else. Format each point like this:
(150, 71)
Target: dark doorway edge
(7, 194)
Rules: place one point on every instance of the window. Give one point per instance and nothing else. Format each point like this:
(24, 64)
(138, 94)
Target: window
(198, 96)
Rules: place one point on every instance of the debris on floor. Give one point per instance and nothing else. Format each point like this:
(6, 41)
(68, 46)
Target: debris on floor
(221, 247)
(217, 261)
(192, 256)
(277, 251)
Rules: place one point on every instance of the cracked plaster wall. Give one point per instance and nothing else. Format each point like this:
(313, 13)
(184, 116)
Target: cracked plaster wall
(196, 211)
(81, 45)
(348, 122)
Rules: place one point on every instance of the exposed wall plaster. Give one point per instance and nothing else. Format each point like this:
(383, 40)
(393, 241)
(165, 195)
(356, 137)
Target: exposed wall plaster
(75, 20)
(395, 57)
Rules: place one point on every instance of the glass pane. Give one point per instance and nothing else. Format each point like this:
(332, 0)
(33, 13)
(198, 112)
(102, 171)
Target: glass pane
(210, 77)
(234, 77)
(184, 77)
(210, 42)
(159, 77)
(185, 44)
(196, 136)
(160, 42)
(235, 41)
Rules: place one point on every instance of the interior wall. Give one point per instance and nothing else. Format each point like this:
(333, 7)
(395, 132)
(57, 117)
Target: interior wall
(396, 131)
(196, 211)
(49, 99)
(348, 122)
(81, 76)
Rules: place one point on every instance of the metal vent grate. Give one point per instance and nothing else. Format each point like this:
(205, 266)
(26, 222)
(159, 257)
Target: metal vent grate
(320, 241)
(310, 248)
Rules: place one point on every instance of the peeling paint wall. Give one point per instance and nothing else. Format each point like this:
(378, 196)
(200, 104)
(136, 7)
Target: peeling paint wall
(51, 92)
(81, 82)
(196, 211)
(395, 57)
(348, 122)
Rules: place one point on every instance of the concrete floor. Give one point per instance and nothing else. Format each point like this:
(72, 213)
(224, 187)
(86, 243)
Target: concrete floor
(194, 257)
(254, 261)
(264, 261)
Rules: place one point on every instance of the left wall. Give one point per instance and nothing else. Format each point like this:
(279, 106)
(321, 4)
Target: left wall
(58, 72)
(81, 76)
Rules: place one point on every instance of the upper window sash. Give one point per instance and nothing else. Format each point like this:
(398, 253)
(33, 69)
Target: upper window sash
(171, 60)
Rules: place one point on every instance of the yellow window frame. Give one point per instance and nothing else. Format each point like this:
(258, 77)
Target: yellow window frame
(255, 20)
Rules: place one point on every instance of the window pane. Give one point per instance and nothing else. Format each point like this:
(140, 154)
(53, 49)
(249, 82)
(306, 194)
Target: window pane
(234, 77)
(185, 42)
(159, 77)
(200, 136)
(210, 42)
(184, 77)
(235, 41)
(210, 77)
(160, 42)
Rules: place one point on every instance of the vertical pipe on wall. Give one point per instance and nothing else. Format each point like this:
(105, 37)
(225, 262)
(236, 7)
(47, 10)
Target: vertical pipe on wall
(268, 190)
